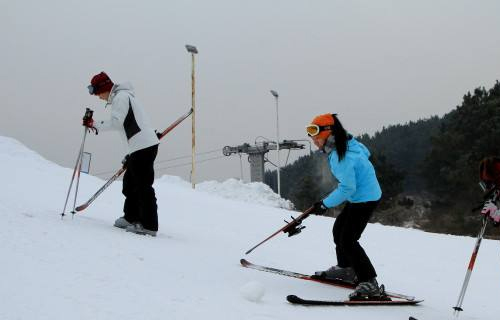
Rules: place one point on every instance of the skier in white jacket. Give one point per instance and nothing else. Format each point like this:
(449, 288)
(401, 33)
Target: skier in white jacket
(132, 124)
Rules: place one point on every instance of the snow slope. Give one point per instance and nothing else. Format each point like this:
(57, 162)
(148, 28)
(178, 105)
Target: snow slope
(83, 268)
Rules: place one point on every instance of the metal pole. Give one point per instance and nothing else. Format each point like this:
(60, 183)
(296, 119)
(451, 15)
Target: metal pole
(78, 175)
(241, 169)
(193, 143)
(193, 51)
(461, 296)
(276, 96)
(78, 160)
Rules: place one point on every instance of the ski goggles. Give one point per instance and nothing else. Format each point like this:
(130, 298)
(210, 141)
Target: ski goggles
(313, 129)
(91, 89)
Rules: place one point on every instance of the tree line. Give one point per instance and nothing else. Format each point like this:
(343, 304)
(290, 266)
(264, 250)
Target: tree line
(432, 161)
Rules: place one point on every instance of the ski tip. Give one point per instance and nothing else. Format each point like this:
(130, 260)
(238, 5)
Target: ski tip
(411, 318)
(244, 262)
(82, 207)
(293, 298)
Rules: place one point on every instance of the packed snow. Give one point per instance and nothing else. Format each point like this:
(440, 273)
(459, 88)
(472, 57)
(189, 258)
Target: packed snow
(81, 267)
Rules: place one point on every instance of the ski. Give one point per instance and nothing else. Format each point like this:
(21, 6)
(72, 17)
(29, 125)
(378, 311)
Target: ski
(122, 169)
(101, 190)
(306, 302)
(336, 283)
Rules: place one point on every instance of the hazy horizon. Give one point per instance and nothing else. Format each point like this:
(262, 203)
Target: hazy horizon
(374, 63)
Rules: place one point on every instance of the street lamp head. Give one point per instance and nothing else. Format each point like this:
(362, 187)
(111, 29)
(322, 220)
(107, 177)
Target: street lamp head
(191, 49)
(274, 93)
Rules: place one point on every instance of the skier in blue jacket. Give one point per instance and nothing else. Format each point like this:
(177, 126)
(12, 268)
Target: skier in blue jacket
(359, 189)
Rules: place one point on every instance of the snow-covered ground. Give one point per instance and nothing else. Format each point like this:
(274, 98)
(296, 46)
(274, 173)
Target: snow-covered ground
(83, 268)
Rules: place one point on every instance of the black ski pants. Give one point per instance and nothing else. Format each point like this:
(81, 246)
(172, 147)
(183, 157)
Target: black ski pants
(347, 230)
(140, 199)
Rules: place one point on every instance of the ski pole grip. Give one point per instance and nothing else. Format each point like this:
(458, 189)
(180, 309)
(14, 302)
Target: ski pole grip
(88, 114)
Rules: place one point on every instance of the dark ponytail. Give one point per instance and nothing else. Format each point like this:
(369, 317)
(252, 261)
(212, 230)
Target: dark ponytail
(340, 136)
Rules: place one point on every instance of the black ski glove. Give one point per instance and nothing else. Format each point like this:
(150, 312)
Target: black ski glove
(319, 208)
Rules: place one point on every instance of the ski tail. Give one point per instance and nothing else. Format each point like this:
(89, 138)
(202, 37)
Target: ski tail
(175, 123)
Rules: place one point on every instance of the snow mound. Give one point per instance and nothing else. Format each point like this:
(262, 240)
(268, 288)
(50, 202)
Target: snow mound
(253, 291)
(253, 192)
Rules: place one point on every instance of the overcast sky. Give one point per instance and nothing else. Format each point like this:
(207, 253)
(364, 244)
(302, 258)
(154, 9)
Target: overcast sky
(375, 63)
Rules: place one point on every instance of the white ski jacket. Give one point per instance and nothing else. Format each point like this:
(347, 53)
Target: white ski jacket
(128, 118)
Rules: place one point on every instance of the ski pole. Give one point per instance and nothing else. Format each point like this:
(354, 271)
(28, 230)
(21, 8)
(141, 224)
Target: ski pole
(461, 296)
(74, 172)
(122, 169)
(78, 173)
(88, 113)
(291, 227)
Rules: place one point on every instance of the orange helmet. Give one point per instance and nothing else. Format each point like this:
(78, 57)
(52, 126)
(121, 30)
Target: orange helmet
(321, 125)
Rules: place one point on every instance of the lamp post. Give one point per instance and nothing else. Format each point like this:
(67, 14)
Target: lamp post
(276, 96)
(193, 51)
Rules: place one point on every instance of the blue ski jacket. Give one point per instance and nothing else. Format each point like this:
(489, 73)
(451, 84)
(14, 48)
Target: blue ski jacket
(355, 174)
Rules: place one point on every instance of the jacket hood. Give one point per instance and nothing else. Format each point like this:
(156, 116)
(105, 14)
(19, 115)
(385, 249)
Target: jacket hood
(123, 86)
(357, 147)
(119, 87)
(353, 145)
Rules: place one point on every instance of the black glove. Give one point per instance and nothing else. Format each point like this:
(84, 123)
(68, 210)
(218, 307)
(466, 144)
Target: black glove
(125, 161)
(319, 208)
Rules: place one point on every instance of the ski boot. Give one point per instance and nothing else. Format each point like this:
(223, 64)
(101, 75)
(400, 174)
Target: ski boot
(337, 273)
(139, 229)
(122, 223)
(369, 290)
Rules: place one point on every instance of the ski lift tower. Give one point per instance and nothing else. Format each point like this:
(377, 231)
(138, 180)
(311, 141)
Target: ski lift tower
(256, 155)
